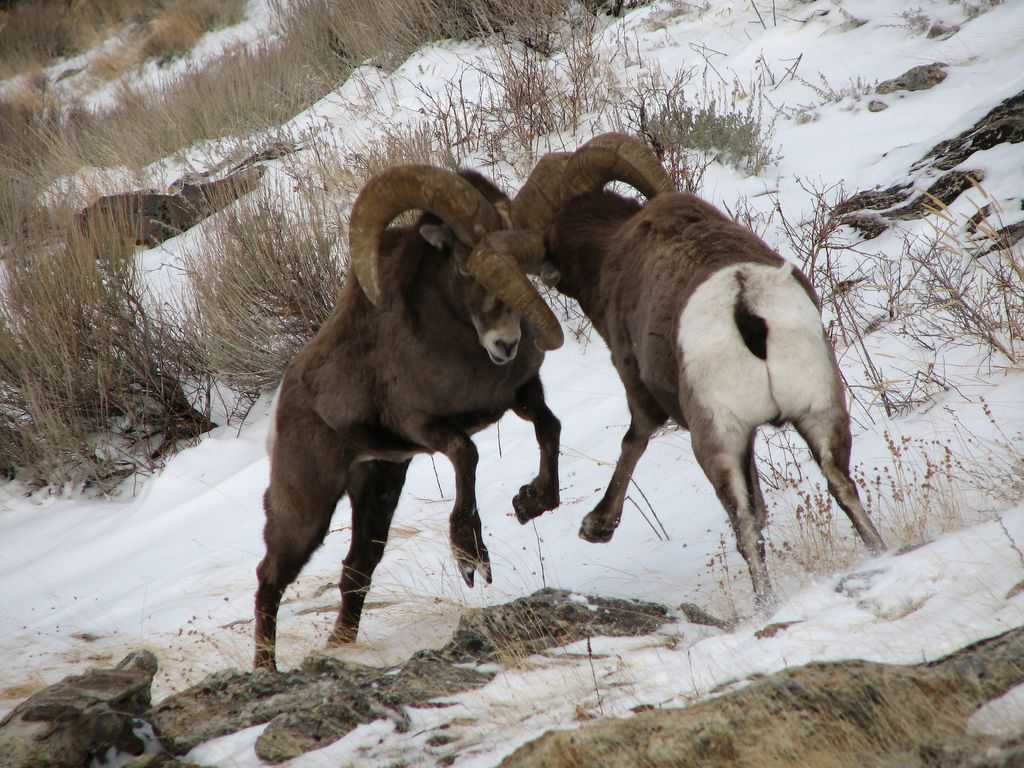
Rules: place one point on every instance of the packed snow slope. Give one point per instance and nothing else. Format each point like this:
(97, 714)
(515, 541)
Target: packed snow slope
(168, 561)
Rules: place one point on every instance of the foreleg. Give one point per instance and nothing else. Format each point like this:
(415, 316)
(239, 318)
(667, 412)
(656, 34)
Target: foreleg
(542, 493)
(464, 525)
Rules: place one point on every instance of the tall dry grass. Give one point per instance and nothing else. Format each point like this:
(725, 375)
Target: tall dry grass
(262, 285)
(95, 381)
(37, 33)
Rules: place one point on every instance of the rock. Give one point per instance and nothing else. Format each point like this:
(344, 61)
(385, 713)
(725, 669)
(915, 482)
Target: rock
(840, 713)
(874, 199)
(545, 619)
(877, 105)
(918, 78)
(870, 225)
(157, 761)
(226, 702)
(82, 716)
(940, 30)
(310, 708)
(1004, 124)
(697, 615)
(943, 191)
(151, 217)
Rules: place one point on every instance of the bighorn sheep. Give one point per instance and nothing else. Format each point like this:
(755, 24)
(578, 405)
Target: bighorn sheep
(417, 355)
(705, 324)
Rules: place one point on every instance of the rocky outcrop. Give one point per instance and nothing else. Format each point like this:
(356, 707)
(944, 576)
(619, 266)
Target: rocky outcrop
(109, 709)
(325, 699)
(849, 713)
(151, 217)
(871, 212)
(82, 717)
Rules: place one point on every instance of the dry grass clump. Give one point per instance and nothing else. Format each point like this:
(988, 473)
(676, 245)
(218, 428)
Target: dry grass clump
(385, 32)
(37, 33)
(261, 286)
(95, 382)
(179, 26)
(273, 267)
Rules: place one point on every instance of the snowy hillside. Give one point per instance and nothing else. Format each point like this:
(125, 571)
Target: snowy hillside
(167, 562)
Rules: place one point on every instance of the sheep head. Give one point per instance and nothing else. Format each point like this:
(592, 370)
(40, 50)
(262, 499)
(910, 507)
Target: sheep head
(470, 223)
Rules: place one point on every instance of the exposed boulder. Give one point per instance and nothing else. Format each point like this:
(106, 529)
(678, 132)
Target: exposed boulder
(918, 78)
(848, 713)
(81, 717)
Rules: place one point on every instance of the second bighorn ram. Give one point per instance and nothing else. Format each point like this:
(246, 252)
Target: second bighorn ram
(705, 323)
(417, 355)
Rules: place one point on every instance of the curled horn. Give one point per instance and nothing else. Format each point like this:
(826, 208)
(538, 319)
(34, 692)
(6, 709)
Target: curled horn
(407, 187)
(541, 196)
(615, 157)
(493, 262)
(500, 262)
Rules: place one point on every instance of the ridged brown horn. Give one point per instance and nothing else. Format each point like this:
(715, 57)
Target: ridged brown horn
(541, 195)
(615, 157)
(407, 187)
(497, 263)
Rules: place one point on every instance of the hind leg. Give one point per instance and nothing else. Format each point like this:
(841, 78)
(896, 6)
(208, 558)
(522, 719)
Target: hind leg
(298, 517)
(829, 439)
(724, 452)
(756, 497)
(373, 488)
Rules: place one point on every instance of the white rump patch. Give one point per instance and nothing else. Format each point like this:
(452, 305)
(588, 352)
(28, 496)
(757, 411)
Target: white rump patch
(798, 375)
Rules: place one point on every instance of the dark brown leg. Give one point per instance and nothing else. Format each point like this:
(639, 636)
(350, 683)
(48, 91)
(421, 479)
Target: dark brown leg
(542, 493)
(756, 497)
(829, 439)
(600, 524)
(297, 522)
(467, 540)
(373, 488)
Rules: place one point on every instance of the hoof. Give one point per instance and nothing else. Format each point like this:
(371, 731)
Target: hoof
(596, 533)
(529, 503)
(765, 602)
(470, 564)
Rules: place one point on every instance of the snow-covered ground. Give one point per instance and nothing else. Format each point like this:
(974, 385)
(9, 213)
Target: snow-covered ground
(168, 562)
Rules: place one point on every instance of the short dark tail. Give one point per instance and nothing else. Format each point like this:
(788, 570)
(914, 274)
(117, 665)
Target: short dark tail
(753, 328)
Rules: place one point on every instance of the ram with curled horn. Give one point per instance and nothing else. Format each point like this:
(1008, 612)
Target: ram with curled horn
(706, 325)
(438, 336)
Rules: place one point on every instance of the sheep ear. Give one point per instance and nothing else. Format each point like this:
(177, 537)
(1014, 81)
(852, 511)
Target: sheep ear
(438, 235)
(550, 274)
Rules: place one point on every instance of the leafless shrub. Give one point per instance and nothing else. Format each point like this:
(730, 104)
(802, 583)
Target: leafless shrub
(970, 288)
(689, 133)
(530, 92)
(819, 247)
(96, 381)
(261, 286)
